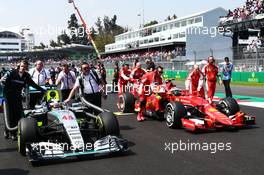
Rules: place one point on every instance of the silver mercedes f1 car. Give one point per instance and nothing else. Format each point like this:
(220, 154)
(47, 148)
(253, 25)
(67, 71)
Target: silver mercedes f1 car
(54, 130)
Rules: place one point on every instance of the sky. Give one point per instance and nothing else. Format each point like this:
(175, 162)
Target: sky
(46, 18)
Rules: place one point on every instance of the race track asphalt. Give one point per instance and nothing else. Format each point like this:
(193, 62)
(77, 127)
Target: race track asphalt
(236, 90)
(148, 156)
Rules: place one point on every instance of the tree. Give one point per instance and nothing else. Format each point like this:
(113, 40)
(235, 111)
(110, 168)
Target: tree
(73, 26)
(41, 46)
(73, 22)
(63, 39)
(99, 26)
(53, 43)
(106, 29)
(151, 23)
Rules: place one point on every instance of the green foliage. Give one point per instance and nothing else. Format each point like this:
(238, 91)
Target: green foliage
(103, 33)
(53, 43)
(41, 46)
(107, 29)
(63, 39)
(151, 23)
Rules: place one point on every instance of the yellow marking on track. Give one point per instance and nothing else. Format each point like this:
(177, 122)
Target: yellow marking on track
(122, 114)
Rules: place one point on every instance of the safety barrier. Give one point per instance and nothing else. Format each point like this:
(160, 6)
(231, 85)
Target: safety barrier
(246, 77)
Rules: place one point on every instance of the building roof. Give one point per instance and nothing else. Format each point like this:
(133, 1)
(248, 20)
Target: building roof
(16, 30)
(174, 20)
(69, 48)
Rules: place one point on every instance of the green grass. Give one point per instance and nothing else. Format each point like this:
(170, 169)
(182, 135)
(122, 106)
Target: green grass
(236, 83)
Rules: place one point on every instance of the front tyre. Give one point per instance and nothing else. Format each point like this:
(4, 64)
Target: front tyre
(174, 112)
(27, 133)
(108, 124)
(229, 106)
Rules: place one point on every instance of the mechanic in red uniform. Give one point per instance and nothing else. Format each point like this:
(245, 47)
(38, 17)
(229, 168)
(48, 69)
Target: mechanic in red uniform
(149, 80)
(194, 81)
(210, 72)
(124, 77)
(135, 76)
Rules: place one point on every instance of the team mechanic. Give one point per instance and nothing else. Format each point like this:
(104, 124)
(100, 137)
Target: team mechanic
(136, 75)
(14, 82)
(194, 82)
(89, 83)
(147, 81)
(122, 81)
(211, 73)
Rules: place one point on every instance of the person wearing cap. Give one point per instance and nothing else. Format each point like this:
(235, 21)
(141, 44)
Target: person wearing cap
(211, 73)
(227, 75)
(194, 81)
(41, 77)
(66, 79)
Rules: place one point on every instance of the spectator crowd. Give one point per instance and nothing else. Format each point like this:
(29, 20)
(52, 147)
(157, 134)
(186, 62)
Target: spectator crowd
(251, 8)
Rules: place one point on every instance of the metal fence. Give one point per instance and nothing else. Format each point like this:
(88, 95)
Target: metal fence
(244, 59)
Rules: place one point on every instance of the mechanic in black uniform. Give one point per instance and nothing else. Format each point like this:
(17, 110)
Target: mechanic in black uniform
(14, 82)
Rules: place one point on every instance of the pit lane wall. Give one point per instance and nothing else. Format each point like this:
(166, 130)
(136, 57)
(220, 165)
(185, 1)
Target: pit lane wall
(244, 77)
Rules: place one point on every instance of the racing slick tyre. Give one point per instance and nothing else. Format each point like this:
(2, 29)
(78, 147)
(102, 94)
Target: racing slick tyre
(27, 132)
(174, 112)
(229, 106)
(108, 124)
(127, 103)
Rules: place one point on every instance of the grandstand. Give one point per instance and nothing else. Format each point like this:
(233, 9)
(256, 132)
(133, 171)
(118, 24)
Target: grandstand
(181, 36)
(247, 26)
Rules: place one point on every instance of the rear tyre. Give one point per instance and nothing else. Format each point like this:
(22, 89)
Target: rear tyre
(27, 133)
(127, 103)
(174, 112)
(229, 106)
(108, 124)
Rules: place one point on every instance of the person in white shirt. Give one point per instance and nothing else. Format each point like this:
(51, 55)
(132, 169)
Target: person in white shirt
(41, 77)
(89, 84)
(66, 80)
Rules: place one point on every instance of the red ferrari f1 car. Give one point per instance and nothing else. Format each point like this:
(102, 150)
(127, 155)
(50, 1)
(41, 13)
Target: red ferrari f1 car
(181, 109)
